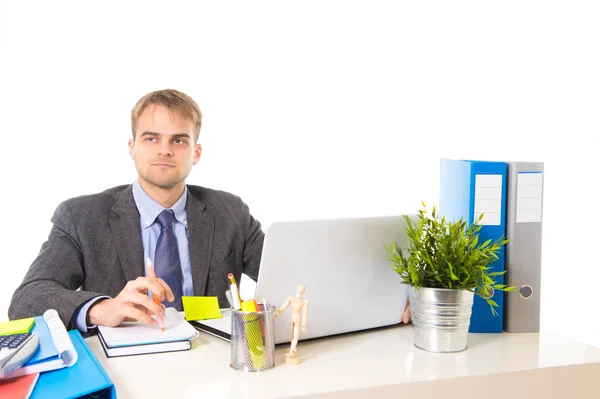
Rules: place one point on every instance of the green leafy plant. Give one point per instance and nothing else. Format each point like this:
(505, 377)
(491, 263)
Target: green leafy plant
(445, 254)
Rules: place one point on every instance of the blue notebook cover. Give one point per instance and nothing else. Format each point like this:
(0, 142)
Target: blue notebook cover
(46, 350)
(86, 378)
(468, 188)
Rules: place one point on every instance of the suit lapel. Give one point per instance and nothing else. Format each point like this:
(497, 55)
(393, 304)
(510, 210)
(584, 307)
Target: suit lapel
(201, 230)
(125, 227)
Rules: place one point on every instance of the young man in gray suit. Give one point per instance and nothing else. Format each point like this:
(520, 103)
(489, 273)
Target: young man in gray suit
(93, 267)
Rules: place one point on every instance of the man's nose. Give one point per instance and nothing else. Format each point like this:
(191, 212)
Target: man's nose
(165, 149)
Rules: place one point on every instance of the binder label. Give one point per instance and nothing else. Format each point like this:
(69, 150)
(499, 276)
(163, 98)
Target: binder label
(529, 197)
(488, 198)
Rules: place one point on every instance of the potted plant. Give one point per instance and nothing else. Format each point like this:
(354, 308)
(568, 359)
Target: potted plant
(444, 266)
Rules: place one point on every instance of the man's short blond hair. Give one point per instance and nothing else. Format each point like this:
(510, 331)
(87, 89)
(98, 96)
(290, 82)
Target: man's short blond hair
(174, 101)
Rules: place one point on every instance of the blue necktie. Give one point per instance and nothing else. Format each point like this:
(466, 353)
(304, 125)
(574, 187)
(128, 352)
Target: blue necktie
(166, 258)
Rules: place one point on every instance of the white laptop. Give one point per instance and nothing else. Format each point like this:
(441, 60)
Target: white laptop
(350, 285)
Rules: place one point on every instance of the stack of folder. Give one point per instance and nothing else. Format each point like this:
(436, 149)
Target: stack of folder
(54, 372)
(509, 194)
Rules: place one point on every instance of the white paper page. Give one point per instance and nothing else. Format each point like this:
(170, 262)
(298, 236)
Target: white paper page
(61, 338)
(138, 333)
(222, 324)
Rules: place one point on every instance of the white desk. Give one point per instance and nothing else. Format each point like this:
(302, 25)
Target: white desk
(374, 364)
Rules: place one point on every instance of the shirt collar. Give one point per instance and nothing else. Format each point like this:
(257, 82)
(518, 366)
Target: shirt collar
(150, 209)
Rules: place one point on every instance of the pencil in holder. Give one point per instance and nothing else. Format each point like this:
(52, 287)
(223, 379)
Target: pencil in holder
(253, 339)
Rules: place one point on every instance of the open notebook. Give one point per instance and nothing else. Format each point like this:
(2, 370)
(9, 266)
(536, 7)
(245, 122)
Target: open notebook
(136, 338)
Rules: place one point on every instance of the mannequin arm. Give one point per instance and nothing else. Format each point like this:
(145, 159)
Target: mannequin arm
(283, 307)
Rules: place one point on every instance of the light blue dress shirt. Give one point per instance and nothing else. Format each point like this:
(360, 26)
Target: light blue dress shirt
(150, 230)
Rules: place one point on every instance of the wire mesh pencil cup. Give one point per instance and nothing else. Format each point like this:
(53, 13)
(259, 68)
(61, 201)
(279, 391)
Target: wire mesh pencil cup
(253, 339)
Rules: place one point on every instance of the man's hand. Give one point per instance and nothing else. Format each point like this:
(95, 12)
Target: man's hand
(132, 304)
(406, 316)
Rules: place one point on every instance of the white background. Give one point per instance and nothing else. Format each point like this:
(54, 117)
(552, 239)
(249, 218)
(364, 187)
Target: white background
(311, 109)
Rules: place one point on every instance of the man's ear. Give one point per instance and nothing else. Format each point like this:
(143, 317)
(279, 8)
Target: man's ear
(197, 153)
(131, 144)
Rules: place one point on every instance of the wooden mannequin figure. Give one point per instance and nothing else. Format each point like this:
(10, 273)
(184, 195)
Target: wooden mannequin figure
(299, 318)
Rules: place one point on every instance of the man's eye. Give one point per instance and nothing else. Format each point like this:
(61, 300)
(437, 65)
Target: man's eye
(151, 139)
(179, 141)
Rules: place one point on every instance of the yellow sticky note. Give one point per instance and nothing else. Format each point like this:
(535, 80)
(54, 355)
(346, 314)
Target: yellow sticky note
(249, 306)
(201, 307)
(20, 326)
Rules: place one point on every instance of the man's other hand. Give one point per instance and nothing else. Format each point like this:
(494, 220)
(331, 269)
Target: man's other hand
(406, 316)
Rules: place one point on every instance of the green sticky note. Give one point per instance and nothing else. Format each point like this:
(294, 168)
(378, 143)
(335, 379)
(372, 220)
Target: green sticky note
(20, 326)
(201, 307)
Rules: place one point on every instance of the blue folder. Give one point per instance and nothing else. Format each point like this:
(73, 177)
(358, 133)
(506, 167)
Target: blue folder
(86, 378)
(468, 188)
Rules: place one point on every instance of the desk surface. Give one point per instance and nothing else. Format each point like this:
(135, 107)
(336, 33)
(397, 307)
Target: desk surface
(369, 359)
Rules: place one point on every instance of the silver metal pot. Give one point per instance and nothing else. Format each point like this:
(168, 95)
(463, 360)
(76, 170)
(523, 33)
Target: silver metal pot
(440, 318)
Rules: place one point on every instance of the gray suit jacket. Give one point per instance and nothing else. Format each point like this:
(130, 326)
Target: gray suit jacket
(95, 248)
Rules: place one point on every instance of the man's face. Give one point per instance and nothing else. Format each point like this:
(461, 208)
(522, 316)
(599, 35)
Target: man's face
(164, 150)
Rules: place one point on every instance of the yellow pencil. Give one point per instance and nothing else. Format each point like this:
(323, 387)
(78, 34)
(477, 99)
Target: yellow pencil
(237, 290)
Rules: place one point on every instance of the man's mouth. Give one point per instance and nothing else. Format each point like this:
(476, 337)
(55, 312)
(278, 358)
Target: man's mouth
(163, 164)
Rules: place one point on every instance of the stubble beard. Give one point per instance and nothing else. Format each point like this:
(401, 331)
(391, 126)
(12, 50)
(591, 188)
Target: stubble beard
(166, 183)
